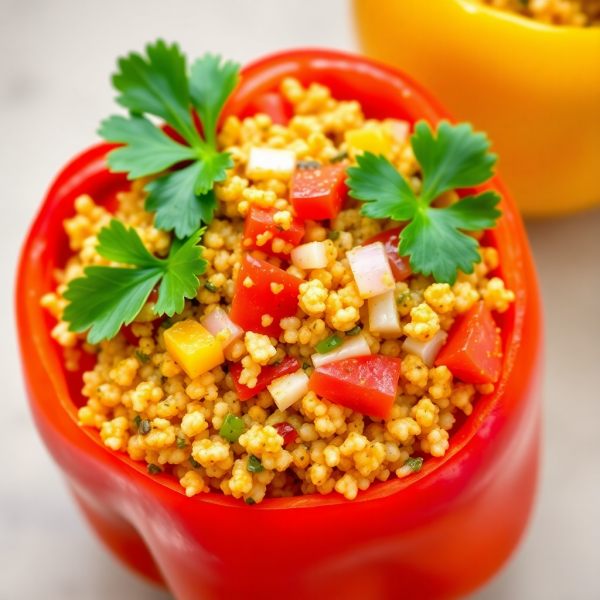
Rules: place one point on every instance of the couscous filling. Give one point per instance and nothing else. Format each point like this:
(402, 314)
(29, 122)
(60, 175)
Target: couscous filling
(573, 13)
(310, 357)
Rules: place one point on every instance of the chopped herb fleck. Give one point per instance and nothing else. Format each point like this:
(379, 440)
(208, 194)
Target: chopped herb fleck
(415, 464)
(354, 331)
(340, 156)
(331, 343)
(333, 235)
(306, 366)
(211, 287)
(137, 421)
(232, 428)
(404, 298)
(250, 501)
(144, 358)
(154, 469)
(306, 165)
(181, 443)
(254, 465)
(145, 427)
(194, 462)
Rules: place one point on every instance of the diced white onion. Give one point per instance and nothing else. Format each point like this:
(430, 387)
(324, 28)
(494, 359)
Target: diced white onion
(428, 351)
(217, 321)
(371, 268)
(352, 347)
(267, 163)
(289, 389)
(310, 256)
(383, 314)
(398, 129)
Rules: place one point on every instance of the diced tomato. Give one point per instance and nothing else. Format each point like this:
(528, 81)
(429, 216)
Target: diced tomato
(319, 193)
(473, 350)
(286, 431)
(288, 366)
(366, 384)
(274, 105)
(390, 239)
(260, 221)
(255, 295)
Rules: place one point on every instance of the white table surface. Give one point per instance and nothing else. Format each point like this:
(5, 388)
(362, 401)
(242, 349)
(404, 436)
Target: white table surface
(55, 60)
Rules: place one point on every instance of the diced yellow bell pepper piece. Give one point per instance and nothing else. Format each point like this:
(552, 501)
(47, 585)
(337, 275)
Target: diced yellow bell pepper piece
(193, 348)
(373, 139)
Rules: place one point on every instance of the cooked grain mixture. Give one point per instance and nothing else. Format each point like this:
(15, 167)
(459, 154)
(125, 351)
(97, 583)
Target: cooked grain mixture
(144, 403)
(573, 13)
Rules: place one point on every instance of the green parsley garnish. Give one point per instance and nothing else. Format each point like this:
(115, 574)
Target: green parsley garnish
(331, 343)
(455, 158)
(160, 84)
(354, 331)
(305, 366)
(250, 501)
(211, 287)
(108, 297)
(194, 462)
(339, 157)
(154, 469)
(137, 421)
(254, 465)
(232, 428)
(144, 358)
(415, 464)
(333, 235)
(181, 443)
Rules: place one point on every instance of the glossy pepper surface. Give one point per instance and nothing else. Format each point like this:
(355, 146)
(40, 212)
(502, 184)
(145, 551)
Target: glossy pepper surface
(534, 88)
(468, 508)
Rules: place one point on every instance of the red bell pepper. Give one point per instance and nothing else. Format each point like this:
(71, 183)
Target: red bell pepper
(319, 193)
(259, 221)
(473, 350)
(256, 295)
(288, 365)
(467, 507)
(274, 105)
(390, 239)
(367, 384)
(287, 432)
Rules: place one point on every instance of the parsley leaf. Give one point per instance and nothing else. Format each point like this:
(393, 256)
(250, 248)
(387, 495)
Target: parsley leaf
(105, 298)
(454, 158)
(160, 85)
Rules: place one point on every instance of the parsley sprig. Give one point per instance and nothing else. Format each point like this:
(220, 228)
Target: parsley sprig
(108, 297)
(454, 158)
(161, 85)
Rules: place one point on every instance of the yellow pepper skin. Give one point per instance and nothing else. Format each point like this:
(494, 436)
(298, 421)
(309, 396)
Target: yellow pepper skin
(534, 88)
(193, 348)
(376, 140)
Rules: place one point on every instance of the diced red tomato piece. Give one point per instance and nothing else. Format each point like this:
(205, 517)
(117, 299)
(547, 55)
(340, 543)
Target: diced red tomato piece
(286, 431)
(274, 105)
(366, 384)
(260, 221)
(288, 366)
(473, 350)
(319, 193)
(390, 239)
(254, 296)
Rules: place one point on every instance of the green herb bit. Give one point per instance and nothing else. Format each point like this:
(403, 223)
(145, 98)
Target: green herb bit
(137, 421)
(404, 299)
(276, 363)
(194, 462)
(250, 501)
(305, 366)
(339, 157)
(166, 324)
(333, 235)
(331, 343)
(307, 165)
(106, 298)
(154, 469)
(181, 443)
(232, 428)
(456, 158)
(211, 287)
(160, 84)
(144, 358)
(354, 331)
(144, 427)
(415, 464)
(254, 465)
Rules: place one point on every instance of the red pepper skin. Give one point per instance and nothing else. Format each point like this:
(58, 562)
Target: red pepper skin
(287, 432)
(260, 220)
(251, 303)
(466, 507)
(473, 350)
(274, 105)
(366, 384)
(319, 193)
(390, 239)
(288, 366)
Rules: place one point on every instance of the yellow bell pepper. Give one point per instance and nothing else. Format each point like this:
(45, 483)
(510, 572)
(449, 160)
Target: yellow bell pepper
(193, 348)
(534, 88)
(377, 140)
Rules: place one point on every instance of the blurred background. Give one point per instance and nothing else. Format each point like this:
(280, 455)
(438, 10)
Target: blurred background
(56, 58)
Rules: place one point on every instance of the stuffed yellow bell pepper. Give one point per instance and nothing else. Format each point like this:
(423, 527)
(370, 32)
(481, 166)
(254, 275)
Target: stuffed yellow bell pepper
(535, 88)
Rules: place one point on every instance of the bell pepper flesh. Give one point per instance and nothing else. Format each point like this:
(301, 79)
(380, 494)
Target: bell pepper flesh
(259, 221)
(366, 384)
(473, 350)
(254, 296)
(376, 140)
(390, 238)
(468, 495)
(319, 193)
(193, 348)
(267, 374)
(274, 105)
(286, 431)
